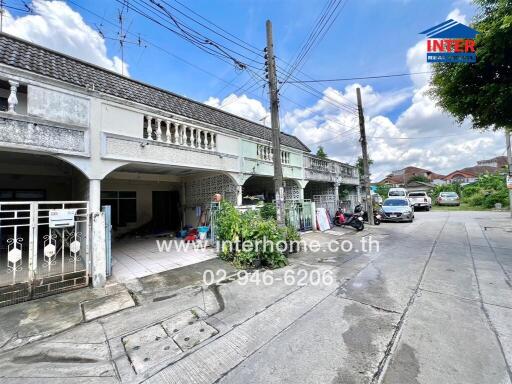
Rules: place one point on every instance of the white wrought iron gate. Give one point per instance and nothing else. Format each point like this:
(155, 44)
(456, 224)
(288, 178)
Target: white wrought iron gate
(36, 260)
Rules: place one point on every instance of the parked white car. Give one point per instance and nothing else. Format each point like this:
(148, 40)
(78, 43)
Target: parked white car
(420, 200)
(397, 192)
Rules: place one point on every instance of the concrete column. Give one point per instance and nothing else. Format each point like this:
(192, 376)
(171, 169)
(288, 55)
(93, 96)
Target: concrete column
(239, 195)
(313, 215)
(98, 257)
(337, 194)
(301, 192)
(94, 195)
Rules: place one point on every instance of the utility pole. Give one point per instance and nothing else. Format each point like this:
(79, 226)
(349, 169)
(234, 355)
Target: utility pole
(274, 118)
(364, 148)
(509, 158)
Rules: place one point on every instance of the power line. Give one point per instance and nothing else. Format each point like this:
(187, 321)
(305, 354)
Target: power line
(204, 46)
(358, 78)
(200, 38)
(313, 37)
(164, 50)
(416, 138)
(349, 131)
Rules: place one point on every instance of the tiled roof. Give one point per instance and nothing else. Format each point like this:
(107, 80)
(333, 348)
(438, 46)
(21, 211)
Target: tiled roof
(474, 171)
(28, 56)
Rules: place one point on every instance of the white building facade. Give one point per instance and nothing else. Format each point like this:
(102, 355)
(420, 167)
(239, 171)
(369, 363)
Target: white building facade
(76, 136)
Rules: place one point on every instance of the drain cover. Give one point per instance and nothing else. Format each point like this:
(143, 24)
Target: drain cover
(194, 334)
(149, 347)
(176, 323)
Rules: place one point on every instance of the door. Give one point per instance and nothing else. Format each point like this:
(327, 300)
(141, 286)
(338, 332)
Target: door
(166, 213)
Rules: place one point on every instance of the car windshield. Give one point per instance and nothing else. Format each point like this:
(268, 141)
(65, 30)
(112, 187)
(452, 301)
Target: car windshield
(417, 194)
(395, 203)
(449, 194)
(396, 193)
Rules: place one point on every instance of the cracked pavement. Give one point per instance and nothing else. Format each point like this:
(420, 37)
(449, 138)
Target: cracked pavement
(433, 305)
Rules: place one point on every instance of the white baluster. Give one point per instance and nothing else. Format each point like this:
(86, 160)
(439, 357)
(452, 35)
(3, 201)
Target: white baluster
(214, 137)
(168, 131)
(174, 132)
(182, 134)
(158, 131)
(207, 139)
(12, 101)
(200, 139)
(150, 127)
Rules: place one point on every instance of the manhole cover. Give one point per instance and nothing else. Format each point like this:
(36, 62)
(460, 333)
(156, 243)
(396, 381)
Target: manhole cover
(176, 323)
(149, 347)
(194, 334)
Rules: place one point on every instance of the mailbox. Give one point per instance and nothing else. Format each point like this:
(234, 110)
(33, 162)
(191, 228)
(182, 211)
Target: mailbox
(59, 218)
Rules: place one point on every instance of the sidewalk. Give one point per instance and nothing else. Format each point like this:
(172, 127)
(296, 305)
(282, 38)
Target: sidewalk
(26, 322)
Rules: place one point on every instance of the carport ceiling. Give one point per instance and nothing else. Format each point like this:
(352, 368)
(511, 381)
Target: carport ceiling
(157, 169)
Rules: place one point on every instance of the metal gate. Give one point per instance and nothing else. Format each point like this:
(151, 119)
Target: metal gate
(326, 201)
(36, 260)
(299, 215)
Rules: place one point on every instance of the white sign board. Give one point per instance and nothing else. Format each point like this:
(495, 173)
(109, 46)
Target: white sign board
(59, 218)
(509, 182)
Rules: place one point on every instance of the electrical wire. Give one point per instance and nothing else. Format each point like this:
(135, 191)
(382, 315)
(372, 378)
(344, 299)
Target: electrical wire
(162, 49)
(359, 78)
(318, 33)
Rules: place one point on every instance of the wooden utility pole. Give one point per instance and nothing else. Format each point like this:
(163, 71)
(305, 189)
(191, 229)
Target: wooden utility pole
(364, 148)
(509, 158)
(274, 118)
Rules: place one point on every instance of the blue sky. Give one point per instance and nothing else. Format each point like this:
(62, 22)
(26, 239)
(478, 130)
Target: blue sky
(370, 37)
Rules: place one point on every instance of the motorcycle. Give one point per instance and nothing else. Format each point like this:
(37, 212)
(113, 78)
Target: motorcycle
(377, 217)
(354, 220)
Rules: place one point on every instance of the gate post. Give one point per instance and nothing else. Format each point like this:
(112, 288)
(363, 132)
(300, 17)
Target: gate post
(313, 216)
(98, 269)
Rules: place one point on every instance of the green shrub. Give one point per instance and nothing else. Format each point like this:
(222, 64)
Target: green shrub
(475, 200)
(291, 234)
(488, 190)
(234, 229)
(228, 225)
(494, 197)
(268, 211)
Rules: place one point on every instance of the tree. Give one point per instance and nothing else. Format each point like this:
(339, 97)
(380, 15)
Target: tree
(360, 165)
(320, 152)
(481, 91)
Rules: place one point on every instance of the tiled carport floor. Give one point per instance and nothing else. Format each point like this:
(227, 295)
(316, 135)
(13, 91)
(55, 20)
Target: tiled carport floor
(133, 258)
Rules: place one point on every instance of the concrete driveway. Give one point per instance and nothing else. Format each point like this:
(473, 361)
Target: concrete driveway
(432, 305)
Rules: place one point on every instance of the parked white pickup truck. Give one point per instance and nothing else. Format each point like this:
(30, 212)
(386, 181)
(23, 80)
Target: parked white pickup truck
(420, 200)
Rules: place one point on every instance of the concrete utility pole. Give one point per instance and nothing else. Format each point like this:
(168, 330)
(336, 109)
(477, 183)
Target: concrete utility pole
(364, 148)
(274, 118)
(509, 158)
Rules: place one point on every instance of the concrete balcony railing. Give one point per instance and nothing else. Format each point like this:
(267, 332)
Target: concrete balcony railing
(173, 132)
(329, 170)
(33, 133)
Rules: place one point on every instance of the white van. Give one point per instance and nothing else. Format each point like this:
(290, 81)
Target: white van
(397, 192)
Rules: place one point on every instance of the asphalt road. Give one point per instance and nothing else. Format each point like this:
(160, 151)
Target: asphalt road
(433, 304)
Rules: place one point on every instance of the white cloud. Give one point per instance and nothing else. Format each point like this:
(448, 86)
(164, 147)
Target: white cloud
(457, 16)
(242, 106)
(56, 26)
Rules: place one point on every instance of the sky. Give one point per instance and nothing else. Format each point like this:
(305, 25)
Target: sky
(369, 37)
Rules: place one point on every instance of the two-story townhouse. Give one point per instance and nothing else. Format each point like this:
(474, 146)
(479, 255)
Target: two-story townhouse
(77, 136)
